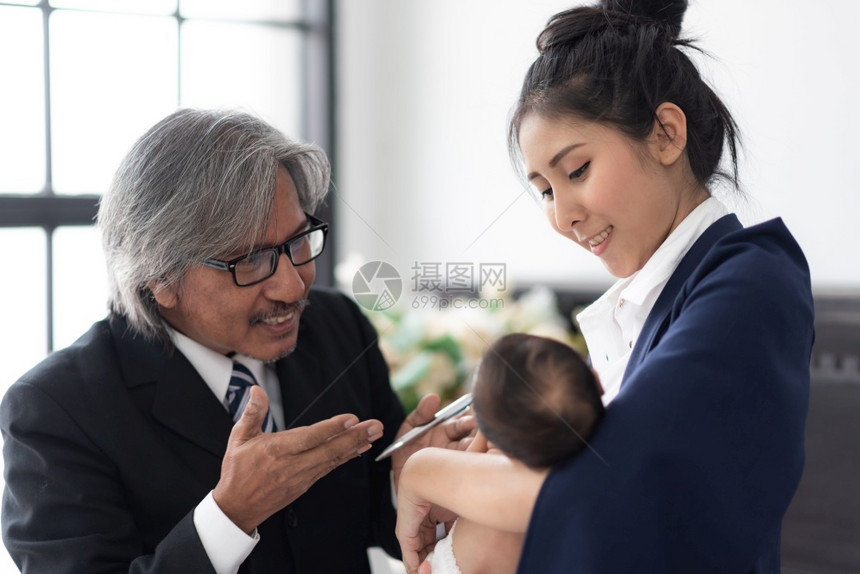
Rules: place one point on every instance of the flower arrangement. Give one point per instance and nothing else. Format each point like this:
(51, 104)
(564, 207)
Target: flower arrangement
(435, 351)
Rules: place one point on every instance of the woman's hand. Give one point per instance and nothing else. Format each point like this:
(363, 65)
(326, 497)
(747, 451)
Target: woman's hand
(416, 532)
(416, 528)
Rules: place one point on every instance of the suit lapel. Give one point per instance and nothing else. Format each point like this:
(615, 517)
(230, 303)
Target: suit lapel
(301, 388)
(663, 306)
(166, 384)
(185, 404)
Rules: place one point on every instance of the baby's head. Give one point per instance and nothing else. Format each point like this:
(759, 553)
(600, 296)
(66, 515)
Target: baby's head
(536, 399)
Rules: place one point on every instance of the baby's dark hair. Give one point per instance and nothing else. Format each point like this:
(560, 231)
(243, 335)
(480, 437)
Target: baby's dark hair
(615, 63)
(536, 399)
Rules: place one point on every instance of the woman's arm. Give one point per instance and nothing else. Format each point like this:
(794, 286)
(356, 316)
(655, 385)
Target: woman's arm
(489, 489)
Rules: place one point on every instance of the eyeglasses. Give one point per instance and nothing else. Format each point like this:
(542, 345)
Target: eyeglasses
(259, 265)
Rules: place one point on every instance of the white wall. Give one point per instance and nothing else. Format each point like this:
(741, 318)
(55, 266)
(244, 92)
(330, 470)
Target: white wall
(425, 88)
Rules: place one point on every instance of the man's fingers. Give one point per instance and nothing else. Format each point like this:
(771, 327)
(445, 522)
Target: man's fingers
(261, 476)
(312, 436)
(340, 437)
(250, 423)
(330, 454)
(459, 427)
(355, 441)
(425, 410)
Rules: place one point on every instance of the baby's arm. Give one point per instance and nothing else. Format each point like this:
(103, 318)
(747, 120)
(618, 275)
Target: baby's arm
(489, 489)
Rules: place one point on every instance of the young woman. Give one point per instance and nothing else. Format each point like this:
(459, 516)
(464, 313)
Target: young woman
(703, 344)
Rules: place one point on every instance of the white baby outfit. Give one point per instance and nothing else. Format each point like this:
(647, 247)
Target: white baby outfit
(442, 559)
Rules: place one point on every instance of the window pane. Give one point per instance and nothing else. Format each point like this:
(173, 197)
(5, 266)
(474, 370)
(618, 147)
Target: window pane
(282, 10)
(80, 282)
(112, 78)
(23, 294)
(136, 6)
(22, 138)
(242, 65)
(23, 336)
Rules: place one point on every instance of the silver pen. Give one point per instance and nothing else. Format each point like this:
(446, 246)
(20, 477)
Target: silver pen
(443, 415)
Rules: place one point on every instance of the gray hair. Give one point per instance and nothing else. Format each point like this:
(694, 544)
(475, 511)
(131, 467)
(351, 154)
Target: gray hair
(197, 185)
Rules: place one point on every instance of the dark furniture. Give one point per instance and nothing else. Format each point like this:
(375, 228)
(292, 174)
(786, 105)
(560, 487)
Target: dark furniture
(821, 530)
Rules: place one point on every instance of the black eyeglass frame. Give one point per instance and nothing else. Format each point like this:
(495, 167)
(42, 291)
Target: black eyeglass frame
(283, 248)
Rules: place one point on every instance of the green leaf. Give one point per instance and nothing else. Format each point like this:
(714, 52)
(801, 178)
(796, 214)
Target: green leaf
(448, 345)
(413, 371)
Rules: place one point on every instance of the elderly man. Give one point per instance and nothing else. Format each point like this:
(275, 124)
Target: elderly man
(121, 451)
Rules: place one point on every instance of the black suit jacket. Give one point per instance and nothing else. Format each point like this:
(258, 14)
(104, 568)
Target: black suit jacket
(111, 443)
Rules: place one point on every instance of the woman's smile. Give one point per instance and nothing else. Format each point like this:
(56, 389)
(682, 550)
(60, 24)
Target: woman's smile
(596, 240)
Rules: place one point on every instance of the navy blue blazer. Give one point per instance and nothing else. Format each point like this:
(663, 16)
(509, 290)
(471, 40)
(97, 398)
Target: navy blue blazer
(701, 451)
(111, 443)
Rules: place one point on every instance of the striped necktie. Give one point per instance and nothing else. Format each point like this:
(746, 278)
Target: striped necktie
(239, 392)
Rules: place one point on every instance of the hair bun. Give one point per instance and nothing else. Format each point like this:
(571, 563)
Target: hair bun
(671, 12)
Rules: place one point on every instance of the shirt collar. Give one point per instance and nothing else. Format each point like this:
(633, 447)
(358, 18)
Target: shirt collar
(214, 368)
(657, 270)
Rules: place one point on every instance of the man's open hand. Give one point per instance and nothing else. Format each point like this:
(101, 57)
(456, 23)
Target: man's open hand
(263, 473)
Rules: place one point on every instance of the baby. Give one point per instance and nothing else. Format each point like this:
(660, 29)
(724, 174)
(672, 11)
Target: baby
(536, 401)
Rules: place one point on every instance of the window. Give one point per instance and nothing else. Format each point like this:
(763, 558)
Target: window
(82, 80)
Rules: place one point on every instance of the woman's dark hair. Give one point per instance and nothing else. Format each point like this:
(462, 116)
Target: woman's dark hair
(615, 64)
(536, 399)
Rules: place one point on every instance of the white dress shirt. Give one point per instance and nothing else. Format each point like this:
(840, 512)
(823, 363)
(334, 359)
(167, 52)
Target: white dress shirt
(225, 543)
(611, 325)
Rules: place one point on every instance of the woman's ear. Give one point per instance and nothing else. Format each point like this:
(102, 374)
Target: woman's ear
(669, 134)
(165, 293)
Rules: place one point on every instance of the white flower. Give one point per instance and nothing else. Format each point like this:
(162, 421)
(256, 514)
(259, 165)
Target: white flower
(435, 351)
